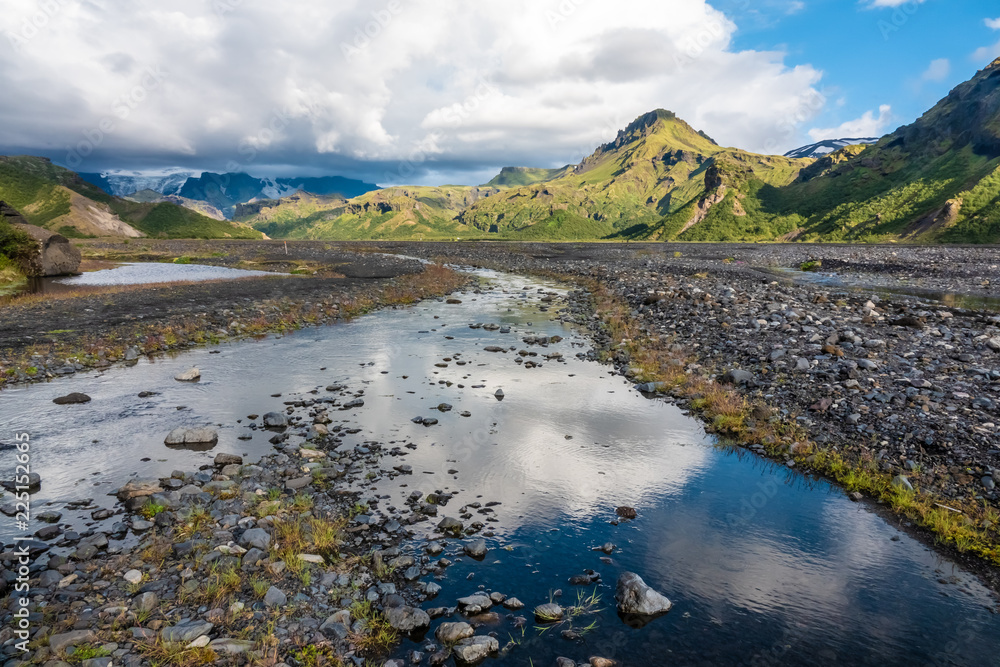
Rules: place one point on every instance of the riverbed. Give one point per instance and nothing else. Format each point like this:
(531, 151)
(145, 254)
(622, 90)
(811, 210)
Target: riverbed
(764, 565)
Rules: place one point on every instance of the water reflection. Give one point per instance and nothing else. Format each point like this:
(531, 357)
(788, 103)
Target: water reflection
(892, 287)
(764, 566)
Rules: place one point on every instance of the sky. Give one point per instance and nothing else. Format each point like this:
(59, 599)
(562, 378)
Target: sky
(441, 91)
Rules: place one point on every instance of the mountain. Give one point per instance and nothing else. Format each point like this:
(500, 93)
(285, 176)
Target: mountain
(827, 146)
(226, 191)
(123, 183)
(624, 189)
(654, 166)
(935, 180)
(60, 200)
(512, 177)
(392, 213)
(152, 196)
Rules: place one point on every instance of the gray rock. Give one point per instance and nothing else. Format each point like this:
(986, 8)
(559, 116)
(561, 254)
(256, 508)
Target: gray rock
(257, 538)
(49, 578)
(191, 436)
(275, 420)
(146, 601)
(223, 459)
(450, 525)
(55, 255)
(635, 597)
(186, 632)
(473, 604)
(549, 612)
(275, 597)
(451, 633)
(476, 549)
(231, 646)
(739, 377)
(138, 488)
(72, 399)
(191, 375)
(105, 661)
(407, 619)
(475, 649)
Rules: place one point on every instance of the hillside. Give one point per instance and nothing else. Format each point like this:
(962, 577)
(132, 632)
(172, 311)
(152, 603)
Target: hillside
(391, 213)
(58, 199)
(152, 196)
(513, 177)
(655, 166)
(935, 180)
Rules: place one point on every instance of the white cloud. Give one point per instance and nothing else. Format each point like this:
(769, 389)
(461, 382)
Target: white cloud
(869, 125)
(993, 24)
(434, 84)
(937, 71)
(872, 4)
(985, 54)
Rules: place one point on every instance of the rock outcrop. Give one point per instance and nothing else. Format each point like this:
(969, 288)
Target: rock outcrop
(56, 255)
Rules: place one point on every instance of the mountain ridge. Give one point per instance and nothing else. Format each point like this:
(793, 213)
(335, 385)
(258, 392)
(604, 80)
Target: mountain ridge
(57, 199)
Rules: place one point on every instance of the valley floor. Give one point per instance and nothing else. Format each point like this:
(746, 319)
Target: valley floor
(851, 375)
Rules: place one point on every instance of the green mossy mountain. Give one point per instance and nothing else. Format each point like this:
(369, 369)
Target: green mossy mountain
(935, 180)
(654, 167)
(391, 213)
(58, 199)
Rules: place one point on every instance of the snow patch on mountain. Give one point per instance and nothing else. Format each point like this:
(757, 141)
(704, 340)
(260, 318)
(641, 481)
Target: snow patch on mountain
(166, 181)
(827, 146)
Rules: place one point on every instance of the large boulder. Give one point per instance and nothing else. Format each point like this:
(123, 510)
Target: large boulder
(634, 597)
(56, 255)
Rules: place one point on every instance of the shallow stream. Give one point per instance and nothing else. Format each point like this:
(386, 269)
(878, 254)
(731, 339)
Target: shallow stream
(765, 566)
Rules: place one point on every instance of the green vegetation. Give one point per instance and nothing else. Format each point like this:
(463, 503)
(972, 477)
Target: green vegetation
(55, 198)
(936, 180)
(562, 226)
(82, 653)
(151, 509)
(16, 250)
(377, 635)
(512, 177)
(165, 220)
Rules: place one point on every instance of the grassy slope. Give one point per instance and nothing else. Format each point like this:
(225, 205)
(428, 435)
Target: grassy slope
(513, 177)
(392, 213)
(878, 195)
(936, 180)
(629, 186)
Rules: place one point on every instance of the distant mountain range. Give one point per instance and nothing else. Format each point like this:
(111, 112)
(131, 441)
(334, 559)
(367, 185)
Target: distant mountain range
(827, 146)
(222, 191)
(935, 180)
(60, 200)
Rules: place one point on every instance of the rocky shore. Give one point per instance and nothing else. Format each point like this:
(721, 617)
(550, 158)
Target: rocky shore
(289, 561)
(43, 337)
